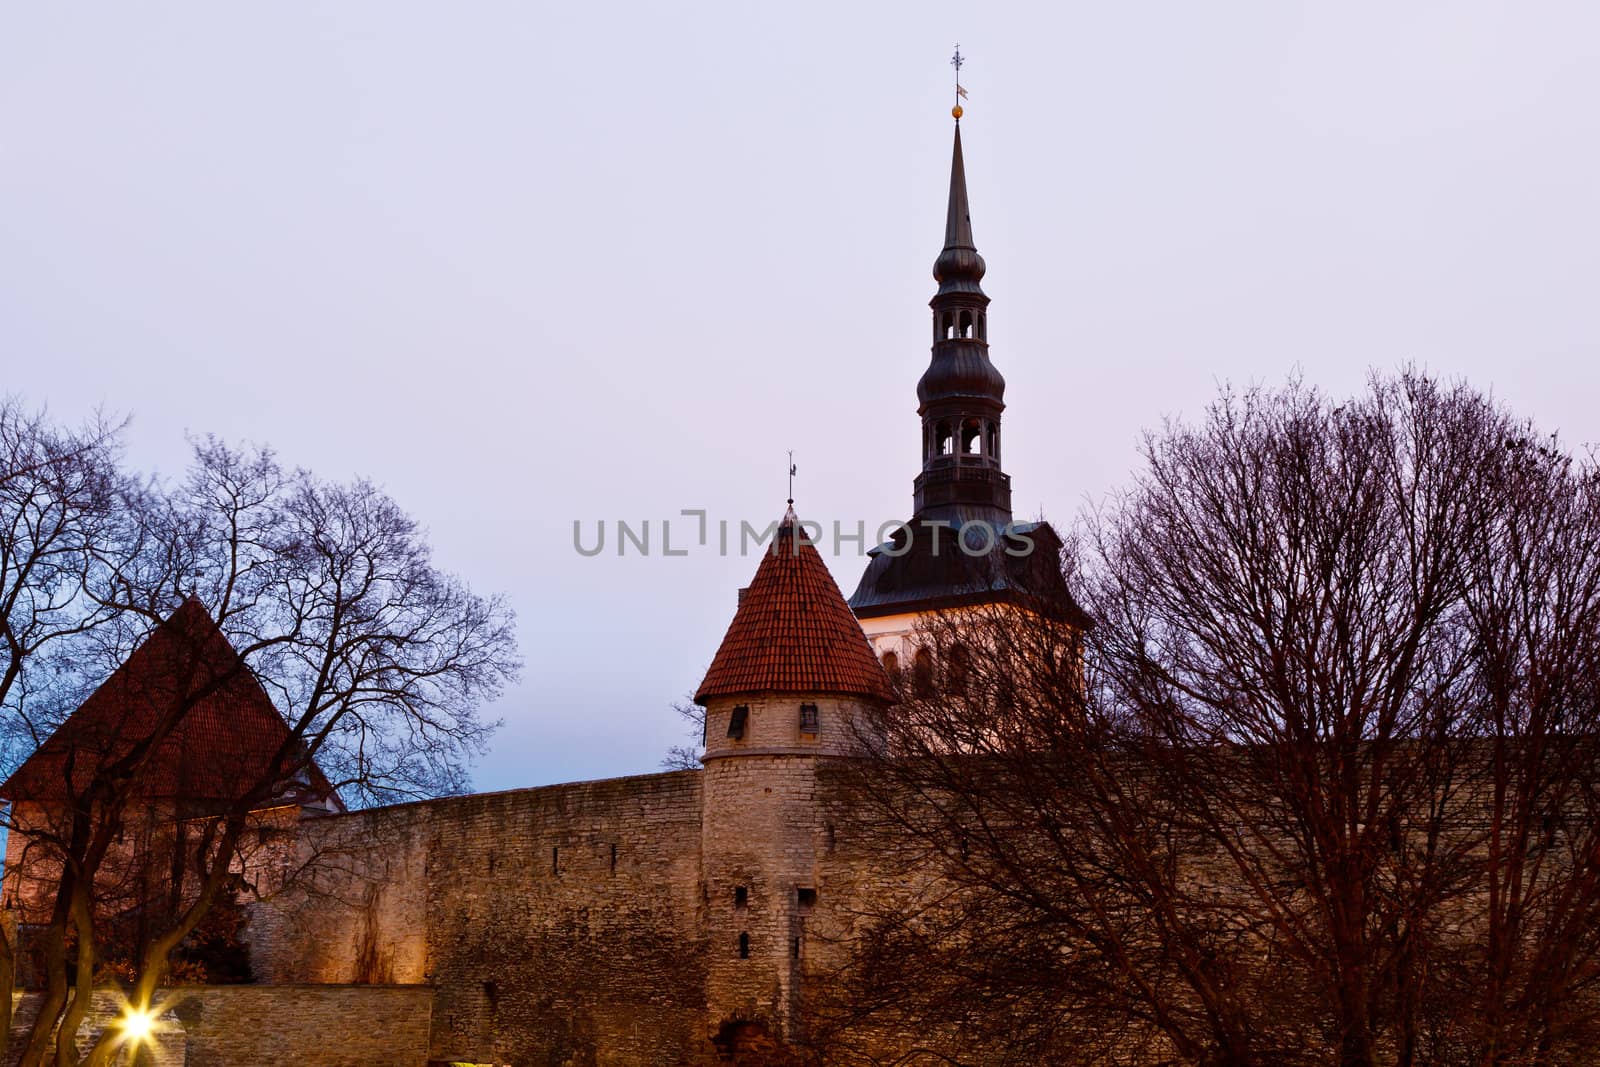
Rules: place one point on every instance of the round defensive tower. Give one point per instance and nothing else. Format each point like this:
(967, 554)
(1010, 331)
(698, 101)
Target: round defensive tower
(794, 681)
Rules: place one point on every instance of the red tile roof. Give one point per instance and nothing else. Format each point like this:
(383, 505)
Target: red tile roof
(220, 748)
(793, 632)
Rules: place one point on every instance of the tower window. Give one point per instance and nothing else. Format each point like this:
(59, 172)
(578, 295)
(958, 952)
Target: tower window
(744, 946)
(966, 324)
(741, 897)
(738, 721)
(946, 440)
(795, 947)
(809, 718)
(922, 673)
(806, 897)
(971, 437)
(891, 663)
(956, 671)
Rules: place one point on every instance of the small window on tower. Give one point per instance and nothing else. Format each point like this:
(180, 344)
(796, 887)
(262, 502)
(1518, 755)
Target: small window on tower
(738, 721)
(806, 897)
(809, 718)
(966, 324)
(741, 896)
(891, 663)
(744, 946)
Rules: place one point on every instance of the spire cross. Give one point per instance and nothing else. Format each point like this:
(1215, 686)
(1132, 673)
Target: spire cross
(957, 61)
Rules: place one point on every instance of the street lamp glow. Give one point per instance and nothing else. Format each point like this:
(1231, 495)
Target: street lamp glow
(136, 1025)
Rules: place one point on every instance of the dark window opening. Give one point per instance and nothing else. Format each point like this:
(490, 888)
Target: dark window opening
(738, 721)
(555, 860)
(744, 946)
(795, 947)
(807, 896)
(491, 993)
(891, 664)
(922, 673)
(741, 897)
(971, 437)
(613, 859)
(809, 718)
(491, 861)
(966, 324)
(956, 671)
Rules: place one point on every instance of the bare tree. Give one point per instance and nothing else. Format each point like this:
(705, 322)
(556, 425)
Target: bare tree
(686, 757)
(1328, 764)
(375, 660)
(1533, 611)
(57, 488)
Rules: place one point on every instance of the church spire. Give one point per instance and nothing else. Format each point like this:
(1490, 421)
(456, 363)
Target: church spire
(959, 261)
(957, 548)
(961, 395)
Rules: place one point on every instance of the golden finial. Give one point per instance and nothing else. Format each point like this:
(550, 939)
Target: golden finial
(961, 94)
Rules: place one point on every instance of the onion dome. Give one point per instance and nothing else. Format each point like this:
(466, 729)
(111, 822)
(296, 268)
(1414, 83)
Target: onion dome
(960, 371)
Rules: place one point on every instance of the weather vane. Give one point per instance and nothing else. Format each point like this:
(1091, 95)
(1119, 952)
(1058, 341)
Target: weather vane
(956, 61)
(791, 475)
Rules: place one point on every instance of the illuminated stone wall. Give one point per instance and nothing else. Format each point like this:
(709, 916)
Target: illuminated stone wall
(265, 1026)
(557, 925)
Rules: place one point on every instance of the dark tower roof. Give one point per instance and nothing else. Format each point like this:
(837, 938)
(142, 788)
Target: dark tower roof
(793, 633)
(959, 268)
(962, 486)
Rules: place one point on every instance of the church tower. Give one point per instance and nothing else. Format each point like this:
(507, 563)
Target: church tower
(961, 394)
(793, 681)
(961, 547)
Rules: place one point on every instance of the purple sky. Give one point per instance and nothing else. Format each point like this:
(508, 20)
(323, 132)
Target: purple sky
(524, 264)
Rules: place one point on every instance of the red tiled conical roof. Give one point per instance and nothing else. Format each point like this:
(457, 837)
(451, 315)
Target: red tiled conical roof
(222, 746)
(793, 632)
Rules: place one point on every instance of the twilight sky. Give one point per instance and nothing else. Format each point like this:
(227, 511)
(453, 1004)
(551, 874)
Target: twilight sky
(525, 264)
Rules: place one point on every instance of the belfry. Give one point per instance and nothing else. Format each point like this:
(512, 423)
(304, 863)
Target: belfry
(961, 546)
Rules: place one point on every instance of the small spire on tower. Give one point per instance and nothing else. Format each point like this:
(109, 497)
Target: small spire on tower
(789, 517)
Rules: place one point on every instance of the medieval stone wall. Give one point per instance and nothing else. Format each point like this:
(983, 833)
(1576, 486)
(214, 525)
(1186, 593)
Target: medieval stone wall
(267, 1026)
(557, 925)
(304, 1026)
